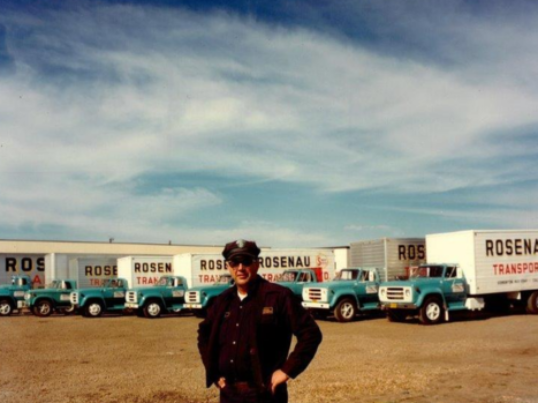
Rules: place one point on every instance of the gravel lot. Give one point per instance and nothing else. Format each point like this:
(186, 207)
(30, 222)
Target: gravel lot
(129, 359)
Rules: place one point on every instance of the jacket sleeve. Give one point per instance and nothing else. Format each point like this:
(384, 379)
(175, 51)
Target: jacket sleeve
(308, 335)
(205, 329)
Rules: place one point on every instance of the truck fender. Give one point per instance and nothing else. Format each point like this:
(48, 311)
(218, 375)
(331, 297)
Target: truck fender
(431, 292)
(344, 294)
(86, 300)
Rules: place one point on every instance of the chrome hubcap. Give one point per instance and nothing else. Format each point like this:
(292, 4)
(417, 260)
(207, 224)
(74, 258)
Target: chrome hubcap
(44, 309)
(154, 309)
(433, 311)
(94, 309)
(347, 311)
(5, 309)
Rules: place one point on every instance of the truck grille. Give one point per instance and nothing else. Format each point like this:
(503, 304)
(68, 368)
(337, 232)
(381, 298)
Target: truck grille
(395, 293)
(314, 294)
(130, 296)
(192, 297)
(74, 298)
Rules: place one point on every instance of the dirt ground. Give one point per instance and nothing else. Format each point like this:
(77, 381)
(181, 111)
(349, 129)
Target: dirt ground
(130, 359)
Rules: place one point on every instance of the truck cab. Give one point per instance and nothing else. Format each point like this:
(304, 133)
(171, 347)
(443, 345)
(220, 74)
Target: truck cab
(353, 290)
(167, 295)
(93, 302)
(431, 292)
(198, 299)
(12, 295)
(297, 279)
(54, 298)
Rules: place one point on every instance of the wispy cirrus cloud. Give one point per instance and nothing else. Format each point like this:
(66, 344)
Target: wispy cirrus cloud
(101, 95)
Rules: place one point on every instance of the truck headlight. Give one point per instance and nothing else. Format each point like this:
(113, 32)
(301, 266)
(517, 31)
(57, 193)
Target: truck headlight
(382, 292)
(27, 295)
(407, 293)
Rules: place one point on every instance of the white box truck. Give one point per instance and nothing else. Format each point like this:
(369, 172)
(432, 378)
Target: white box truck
(87, 270)
(32, 265)
(392, 256)
(468, 270)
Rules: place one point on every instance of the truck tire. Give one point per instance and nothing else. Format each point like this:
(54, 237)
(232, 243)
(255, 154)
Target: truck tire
(43, 308)
(396, 316)
(152, 309)
(532, 303)
(345, 310)
(431, 311)
(6, 308)
(93, 309)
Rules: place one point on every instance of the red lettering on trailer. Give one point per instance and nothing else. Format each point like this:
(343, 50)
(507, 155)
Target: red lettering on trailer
(515, 268)
(36, 280)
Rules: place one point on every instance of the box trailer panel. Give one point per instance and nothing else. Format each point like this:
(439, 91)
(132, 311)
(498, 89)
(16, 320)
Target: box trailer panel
(93, 272)
(203, 269)
(32, 265)
(393, 255)
(143, 271)
(492, 261)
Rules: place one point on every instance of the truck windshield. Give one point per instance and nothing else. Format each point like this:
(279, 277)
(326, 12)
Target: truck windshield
(56, 284)
(287, 277)
(346, 275)
(426, 271)
(162, 281)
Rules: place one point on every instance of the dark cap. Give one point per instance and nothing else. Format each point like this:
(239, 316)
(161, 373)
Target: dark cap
(241, 247)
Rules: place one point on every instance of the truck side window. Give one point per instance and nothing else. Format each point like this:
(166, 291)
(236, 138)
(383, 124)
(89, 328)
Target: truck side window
(450, 272)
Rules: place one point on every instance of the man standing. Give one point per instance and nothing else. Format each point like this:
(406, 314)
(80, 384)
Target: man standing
(245, 339)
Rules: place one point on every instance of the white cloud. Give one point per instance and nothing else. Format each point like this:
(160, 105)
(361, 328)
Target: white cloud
(104, 94)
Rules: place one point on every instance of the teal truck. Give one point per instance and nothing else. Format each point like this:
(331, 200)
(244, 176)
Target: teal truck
(93, 302)
(490, 269)
(353, 290)
(198, 299)
(12, 295)
(165, 296)
(51, 299)
(297, 279)
(430, 292)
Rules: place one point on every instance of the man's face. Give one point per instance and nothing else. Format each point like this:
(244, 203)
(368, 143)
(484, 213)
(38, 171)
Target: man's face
(243, 269)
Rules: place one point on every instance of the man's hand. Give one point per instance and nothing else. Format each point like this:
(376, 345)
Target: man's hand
(221, 383)
(278, 378)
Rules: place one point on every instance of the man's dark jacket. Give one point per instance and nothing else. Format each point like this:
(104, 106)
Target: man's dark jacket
(280, 315)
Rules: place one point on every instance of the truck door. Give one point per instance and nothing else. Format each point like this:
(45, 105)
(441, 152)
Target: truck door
(116, 292)
(453, 287)
(366, 287)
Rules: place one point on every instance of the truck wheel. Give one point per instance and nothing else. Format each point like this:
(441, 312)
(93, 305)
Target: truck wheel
(396, 316)
(152, 310)
(93, 309)
(346, 310)
(431, 312)
(6, 308)
(532, 303)
(43, 308)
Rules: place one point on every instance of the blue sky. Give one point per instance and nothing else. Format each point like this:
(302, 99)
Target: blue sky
(294, 123)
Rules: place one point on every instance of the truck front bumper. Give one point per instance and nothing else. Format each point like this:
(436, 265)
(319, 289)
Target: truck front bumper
(192, 306)
(393, 305)
(132, 305)
(316, 305)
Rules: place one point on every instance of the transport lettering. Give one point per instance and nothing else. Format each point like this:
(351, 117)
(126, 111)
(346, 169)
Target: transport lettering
(208, 278)
(284, 262)
(212, 264)
(411, 252)
(26, 264)
(515, 268)
(511, 247)
(153, 267)
(147, 280)
(98, 271)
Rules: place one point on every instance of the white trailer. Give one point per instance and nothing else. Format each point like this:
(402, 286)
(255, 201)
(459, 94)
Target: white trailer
(493, 262)
(32, 265)
(143, 271)
(203, 269)
(394, 256)
(87, 270)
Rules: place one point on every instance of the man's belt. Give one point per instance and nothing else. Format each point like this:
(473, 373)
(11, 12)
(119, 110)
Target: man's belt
(242, 387)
